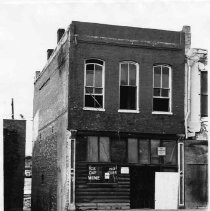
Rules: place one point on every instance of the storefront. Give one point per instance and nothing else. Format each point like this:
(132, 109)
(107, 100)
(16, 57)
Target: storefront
(125, 171)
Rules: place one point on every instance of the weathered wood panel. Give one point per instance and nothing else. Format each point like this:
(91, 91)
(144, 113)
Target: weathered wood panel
(101, 196)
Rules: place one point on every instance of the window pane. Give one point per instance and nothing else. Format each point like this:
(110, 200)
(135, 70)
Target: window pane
(171, 152)
(157, 76)
(104, 149)
(132, 150)
(154, 148)
(98, 90)
(165, 92)
(165, 77)
(94, 61)
(98, 76)
(89, 90)
(89, 77)
(124, 74)
(92, 148)
(132, 74)
(160, 104)
(90, 67)
(204, 105)
(118, 151)
(98, 101)
(89, 101)
(128, 97)
(204, 82)
(156, 92)
(144, 152)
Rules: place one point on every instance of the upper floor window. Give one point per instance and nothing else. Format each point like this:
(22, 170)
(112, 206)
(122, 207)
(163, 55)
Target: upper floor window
(129, 86)
(94, 84)
(204, 93)
(162, 88)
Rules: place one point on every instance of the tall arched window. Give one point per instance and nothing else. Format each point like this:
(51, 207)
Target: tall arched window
(94, 84)
(162, 88)
(129, 85)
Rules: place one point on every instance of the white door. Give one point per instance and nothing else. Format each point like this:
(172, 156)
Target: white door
(166, 190)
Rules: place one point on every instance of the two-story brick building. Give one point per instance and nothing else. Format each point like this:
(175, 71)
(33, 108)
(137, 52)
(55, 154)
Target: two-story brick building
(109, 120)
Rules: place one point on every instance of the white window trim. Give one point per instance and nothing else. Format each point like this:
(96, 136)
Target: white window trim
(137, 85)
(103, 86)
(170, 91)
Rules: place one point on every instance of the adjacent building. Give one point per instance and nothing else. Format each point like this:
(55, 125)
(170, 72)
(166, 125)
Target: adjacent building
(111, 120)
(14, 134)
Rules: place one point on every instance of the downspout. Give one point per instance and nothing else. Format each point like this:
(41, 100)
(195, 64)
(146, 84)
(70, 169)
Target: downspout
(188, 98)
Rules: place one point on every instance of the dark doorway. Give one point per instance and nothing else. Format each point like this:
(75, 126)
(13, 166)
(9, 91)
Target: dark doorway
(142, 192)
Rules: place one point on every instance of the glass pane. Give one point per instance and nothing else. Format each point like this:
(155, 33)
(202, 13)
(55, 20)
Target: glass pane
(89, 101)
(204, 82)
(98, 76)
(124, 74)
(157, 76)
(160, 104)
(95, 61)
(89, 90)
(89, 77)
(90, 67)
(98, 101)
(204, 105)
(98, 90)
(171, 152)
(144, 152)
(128, 97)
(81, 146)
(92, 149)
(154, 148)
(132, 150)
(156, 92)
(104, 149)
(118, 151)
(165, 77)
(165, 92)
(132, 74)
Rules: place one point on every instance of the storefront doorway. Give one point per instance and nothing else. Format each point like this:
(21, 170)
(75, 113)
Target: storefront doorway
(142, 192)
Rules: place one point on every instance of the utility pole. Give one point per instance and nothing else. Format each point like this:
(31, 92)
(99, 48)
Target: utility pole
(12, 104)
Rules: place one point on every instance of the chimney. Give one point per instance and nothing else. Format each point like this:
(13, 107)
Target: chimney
(49, 53)
(187, 31)
(37, 74)
(60, 33)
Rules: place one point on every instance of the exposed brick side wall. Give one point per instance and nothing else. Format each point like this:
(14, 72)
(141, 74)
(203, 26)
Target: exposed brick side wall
(14, 163)
(50, 110)
(111, 119)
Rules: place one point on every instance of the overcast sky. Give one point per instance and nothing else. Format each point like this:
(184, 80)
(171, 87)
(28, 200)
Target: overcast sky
(29, 28)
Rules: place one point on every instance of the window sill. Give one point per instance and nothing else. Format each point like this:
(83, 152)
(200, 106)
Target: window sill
(128, 111)
(93, 109)
(162, 113)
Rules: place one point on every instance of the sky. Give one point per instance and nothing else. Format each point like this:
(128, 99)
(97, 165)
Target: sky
(28, 28)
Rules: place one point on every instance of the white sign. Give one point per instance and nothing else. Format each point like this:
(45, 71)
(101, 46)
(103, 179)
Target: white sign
(124, 170)
(161, 151)
(107, 175)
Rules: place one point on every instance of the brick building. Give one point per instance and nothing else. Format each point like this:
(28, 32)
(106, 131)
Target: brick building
(14, 134)
(109, 120)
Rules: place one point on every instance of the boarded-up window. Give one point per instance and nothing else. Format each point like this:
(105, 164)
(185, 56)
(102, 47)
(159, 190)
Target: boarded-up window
(154, 149)
(104, 149)
(81, 149)
(171, 152)
(144, 151)
(118, 151)
(98, 149)
(204, 94)
(132, 150)
(92, 148)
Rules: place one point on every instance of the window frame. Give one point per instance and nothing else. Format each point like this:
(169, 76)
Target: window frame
(170, 90)
(103, 84)
(137, 87)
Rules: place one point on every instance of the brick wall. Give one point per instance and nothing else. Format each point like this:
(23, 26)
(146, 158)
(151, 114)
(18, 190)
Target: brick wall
(112, 54)
(14, 163)
(50, 110)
